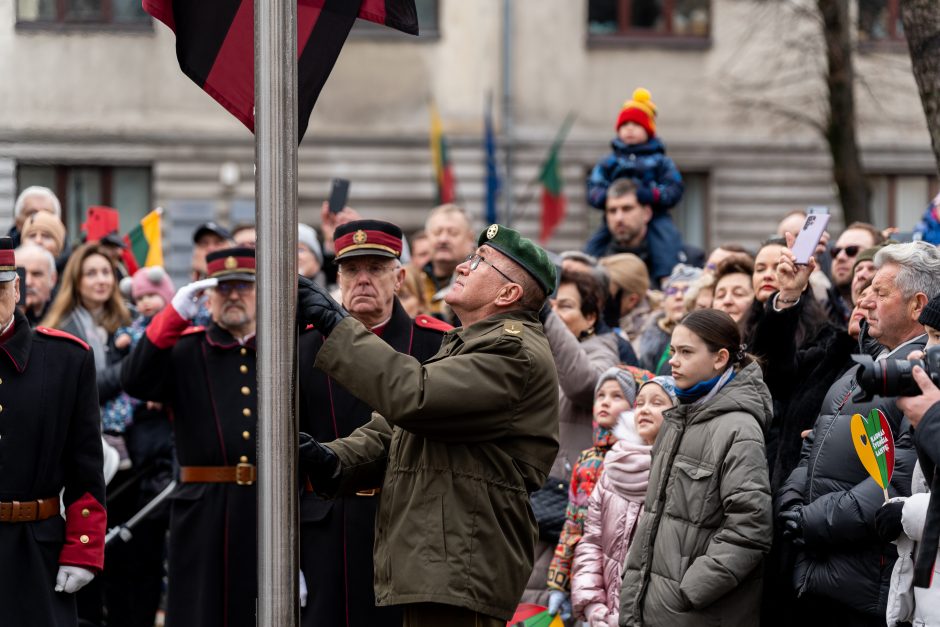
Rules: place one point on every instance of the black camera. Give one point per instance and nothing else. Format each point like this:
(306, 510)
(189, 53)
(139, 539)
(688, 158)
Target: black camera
(894, 377)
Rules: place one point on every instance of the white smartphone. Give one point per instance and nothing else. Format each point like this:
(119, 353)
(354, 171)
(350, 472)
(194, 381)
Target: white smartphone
(817, 218)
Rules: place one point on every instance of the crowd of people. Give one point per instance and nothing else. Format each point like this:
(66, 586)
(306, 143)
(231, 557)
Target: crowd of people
(638, 433)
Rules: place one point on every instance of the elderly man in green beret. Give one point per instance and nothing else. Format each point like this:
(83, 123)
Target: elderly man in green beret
(456, 445)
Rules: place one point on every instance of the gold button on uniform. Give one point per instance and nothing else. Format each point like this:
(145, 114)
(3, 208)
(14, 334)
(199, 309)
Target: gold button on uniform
(243, 351)
(243, 369)
(83, 539)
(86, 513)
(246, 412)
(245, 435)
(1, 408)
(243, 459)
(246, 390)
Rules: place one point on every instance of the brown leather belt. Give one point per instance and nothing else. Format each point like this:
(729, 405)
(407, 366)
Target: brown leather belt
(29, 511)
(242, 474)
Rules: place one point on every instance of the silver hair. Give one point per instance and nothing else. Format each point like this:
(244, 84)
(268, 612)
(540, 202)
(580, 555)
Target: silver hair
(919, 267)
(37, 190)
(29, 247)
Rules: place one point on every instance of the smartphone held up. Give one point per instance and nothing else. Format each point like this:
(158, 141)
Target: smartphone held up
(339, 194)
(817, 218)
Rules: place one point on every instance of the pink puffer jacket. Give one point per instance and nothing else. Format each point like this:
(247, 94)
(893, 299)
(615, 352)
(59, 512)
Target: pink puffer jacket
(613, 512)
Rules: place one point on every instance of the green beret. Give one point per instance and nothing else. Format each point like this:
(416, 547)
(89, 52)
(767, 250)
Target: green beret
(866, 255)
(524, 252)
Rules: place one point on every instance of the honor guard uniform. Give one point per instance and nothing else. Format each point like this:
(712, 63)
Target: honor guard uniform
(207, 377)
(50, 443)
(336, 536)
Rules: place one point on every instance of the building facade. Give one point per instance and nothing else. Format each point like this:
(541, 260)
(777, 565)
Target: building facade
(95, 106)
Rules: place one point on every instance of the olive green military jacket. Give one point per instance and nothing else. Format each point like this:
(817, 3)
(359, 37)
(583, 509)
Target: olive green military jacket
(457, 444)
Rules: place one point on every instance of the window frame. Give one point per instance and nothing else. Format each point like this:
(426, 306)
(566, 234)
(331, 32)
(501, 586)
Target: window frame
(629, 35)
(61, 22)
(893, 40)
(364, 30)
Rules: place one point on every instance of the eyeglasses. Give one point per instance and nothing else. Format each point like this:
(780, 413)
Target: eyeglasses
(850, 251)
(225, 288)
(474, 261)
(372, 269)
(674, 290)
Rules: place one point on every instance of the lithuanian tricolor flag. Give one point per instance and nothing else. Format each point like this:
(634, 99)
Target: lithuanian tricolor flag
(443, 168)
(553, 199)
(145, 241)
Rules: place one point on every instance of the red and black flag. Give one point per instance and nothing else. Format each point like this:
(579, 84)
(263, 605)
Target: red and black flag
(215, 44)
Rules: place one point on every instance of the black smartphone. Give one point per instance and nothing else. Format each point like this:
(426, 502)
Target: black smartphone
(22, 272)
(339, 194)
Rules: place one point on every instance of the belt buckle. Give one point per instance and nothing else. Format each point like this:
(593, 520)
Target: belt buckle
(244, 474)
(369, 492)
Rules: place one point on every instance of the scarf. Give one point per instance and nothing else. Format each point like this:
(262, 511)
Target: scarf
(95, 336)
(704, 391)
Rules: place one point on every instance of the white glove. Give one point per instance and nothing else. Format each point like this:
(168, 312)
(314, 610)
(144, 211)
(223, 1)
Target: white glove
(303, 590)
(71, 579)
(186, 300)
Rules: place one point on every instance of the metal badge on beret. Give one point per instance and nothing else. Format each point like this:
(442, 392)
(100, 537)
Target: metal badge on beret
(492, 231)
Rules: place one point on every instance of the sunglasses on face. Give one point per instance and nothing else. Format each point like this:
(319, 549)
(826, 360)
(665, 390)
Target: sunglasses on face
(225, 288)
(850, 251)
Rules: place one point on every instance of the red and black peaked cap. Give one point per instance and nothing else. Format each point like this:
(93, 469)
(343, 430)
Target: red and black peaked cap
(231, 264)
(367, 237)
(7, 261)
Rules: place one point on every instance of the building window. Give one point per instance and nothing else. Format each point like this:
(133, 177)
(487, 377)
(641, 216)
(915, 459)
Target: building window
(900, 200)
(879, 20)
(680, 19)
(428, 24)
(78, 187)
(81, 12)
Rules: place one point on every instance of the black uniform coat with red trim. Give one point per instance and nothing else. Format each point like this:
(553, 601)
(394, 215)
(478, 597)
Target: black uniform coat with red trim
(208, 380)
(50, 439)
(336, 536)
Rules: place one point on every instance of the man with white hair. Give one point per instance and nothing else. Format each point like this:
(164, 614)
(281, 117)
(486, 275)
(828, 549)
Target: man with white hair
(31, 200)
(41, 279)
(828, 505)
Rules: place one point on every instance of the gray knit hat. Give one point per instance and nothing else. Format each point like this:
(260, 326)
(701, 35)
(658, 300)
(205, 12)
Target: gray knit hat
(668, 384)
(930, 316)
(684, 273)
(624, 379)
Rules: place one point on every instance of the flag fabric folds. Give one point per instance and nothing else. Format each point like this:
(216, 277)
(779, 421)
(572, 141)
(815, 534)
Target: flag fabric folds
(440, 156)
(215, 45)
(145, 241)
(493, 184)
(553, 199)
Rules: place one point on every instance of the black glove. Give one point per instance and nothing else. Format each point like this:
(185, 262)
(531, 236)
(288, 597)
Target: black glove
(888, 520)
(792, 521)
(319, 463)
(315, 306)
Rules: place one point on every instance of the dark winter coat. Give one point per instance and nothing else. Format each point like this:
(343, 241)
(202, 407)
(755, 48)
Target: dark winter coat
(208, 380)
(50, 439)
(843, 560)
(696, 558)
(336, 536)
(659, 183)
(798, 376)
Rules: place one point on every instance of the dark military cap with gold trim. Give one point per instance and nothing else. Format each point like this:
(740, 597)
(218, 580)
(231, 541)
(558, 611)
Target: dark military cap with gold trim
(7, 261)
(367, 237)
(523, 251)
(231, 264)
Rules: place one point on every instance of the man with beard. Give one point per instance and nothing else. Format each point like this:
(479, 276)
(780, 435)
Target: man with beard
(207, 377)
(627, 222)
(451, 235)
(856, 238)
(337, 536)
(41, 278)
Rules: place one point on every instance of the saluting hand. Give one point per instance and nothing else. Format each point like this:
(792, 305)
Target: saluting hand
(186, 300)
(315, 306)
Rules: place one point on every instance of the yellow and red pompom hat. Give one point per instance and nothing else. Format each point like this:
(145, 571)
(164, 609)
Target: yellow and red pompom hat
(640, 109)
(7, 261)
(367, 237)
(231, 264)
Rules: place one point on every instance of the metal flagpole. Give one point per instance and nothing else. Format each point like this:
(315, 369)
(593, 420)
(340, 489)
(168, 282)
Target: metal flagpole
(276, 219)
